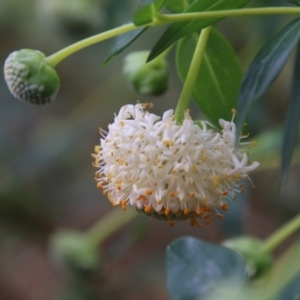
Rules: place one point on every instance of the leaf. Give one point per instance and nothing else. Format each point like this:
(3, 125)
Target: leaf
(178, 6)
(293, 116)
(180, 29)
(219, 77)
(123, 41)
(195, 268)
(265, 68)
(144, 13)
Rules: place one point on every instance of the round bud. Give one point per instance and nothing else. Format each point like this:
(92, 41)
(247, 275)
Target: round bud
(252, 250)
(73, 254)
(29, 77)
(147, 78)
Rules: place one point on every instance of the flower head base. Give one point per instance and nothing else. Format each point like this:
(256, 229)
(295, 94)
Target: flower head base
(169, 171)
(29, 77)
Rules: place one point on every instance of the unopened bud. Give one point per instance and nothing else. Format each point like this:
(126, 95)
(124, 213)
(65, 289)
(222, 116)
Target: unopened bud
(252, 250)
(29, 77)
(147, 78)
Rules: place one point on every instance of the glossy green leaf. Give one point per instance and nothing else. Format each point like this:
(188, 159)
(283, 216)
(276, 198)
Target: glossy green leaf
(123, 41)
(180, 29)
(144, 13)
(178, 6)
(196, 268)
(292, 122)
(265, 68)
(219, 77)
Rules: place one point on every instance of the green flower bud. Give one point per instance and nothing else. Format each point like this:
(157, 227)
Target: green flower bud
(147, 78)
(72, 253)
(252, 250)
(29, 77)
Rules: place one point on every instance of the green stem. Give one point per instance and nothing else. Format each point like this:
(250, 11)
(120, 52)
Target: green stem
(57, 57)
(228, 13)
(109, 224)
(275, 239)
(191, 77)
(162, 19)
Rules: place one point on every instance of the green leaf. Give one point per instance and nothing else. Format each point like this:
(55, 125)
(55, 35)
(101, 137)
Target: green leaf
(195, 268)
(265, 68)
(180, 29)
(141, 17)
(144, 13)
(219, 77)
(293, 116)
(178, 6)
(123, 41)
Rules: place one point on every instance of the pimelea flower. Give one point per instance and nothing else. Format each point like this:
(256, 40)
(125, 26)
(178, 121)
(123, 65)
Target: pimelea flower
(169, 171)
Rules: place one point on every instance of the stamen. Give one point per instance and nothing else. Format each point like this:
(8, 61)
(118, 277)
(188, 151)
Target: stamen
(171, 194)
(148, 209)
(224, 207)
(97, 149)
(199, 210)
(215, 180)
(124, 204)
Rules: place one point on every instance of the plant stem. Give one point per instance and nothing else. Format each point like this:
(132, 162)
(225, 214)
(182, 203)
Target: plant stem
(161, 19)
(229, 13)
(191, 77)
(109, 224)
(275, 239)
(57, 57)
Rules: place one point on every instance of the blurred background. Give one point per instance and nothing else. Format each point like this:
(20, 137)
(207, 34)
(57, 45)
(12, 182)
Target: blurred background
(46, 174)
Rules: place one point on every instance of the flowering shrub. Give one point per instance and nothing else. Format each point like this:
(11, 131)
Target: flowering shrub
(176, 168)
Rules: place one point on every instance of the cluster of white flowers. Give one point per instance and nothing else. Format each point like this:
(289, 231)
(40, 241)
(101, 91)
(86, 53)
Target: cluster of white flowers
(169, 171)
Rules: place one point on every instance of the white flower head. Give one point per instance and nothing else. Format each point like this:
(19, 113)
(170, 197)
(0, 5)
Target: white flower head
(169, 171)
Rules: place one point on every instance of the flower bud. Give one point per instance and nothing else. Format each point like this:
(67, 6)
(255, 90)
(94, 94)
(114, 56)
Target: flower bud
(252, 250)
(72, 253)
(30, 78)
(147, 78)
